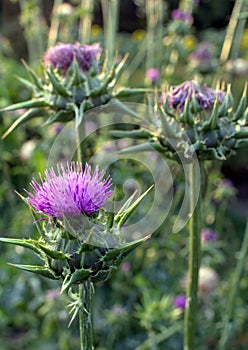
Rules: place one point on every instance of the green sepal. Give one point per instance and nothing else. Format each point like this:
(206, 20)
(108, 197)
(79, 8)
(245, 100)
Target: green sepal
(26, 104)
(121, 218)
(167, 109)
(79, 276)
(57, 86)
(187, 116)
(239, 113)
(39, 270)
(59, 255)
(26, 243)
(29, 114)
(213, 120)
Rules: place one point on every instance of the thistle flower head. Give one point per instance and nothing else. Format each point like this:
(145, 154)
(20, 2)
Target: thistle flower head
(204, 95)
(70, 192)
(61, 56)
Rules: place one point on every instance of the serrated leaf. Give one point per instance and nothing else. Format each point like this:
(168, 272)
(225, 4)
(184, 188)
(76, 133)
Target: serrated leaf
(123, 249)
(52, 253)
(26, 243)
(40, 270)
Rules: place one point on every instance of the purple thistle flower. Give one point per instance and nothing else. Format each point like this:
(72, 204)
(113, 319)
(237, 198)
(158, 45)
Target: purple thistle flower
(208, 235)
(70, 192)
(61, 56)
(180, 302)
(153, 75)
(204, 95)
(181, 15)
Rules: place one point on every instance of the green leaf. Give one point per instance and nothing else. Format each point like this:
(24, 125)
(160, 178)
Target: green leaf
(130, 92)
(33, 76)
(60, 116)
(32, 113)
(121, 218)
(133, 134)
(26, 243)
(26, 104)
(52, 253)
(40, 270)
(123, 249)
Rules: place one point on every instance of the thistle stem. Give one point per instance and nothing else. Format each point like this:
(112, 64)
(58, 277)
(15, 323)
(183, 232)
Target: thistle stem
(85, 316)
(226, 329)
(190, 317)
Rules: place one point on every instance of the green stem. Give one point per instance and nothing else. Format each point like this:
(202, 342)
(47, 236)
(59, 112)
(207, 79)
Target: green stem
(86, 21)
(235, 28)
(229, 310)
(110, 10)
(190, 317)
(85, 316)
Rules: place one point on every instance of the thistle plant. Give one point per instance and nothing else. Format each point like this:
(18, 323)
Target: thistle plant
(75, 79)
(79, 242)
(188, 120)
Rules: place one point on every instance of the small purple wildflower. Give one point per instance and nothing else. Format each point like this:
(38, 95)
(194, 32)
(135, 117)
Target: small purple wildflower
(126, 266)
(180, 15)
(204, 95)
(153, 75)
(227, 183)
(202, 53)
(70, 192)
(208, 235)
(61, 56)
(180, 302)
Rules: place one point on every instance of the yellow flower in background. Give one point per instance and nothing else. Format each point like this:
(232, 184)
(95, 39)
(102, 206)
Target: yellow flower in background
(190, 42)
(244, 40)
(96, 30)
(138, 35)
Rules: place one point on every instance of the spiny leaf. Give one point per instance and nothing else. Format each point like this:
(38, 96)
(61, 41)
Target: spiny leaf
(29, 114)
(40, 270)
(26, 104)
(52, 253)
(33, 76)
(121, 218)
(123, 249)
(26, 243)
